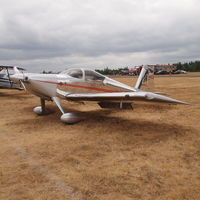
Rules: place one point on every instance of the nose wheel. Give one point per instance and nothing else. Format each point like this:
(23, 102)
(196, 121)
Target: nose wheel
(41, 110)
(68, 118)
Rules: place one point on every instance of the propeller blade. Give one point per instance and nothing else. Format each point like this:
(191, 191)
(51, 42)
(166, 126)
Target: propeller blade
(22, 84)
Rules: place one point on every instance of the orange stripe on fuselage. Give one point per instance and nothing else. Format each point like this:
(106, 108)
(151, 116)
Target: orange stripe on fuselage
(79, 86)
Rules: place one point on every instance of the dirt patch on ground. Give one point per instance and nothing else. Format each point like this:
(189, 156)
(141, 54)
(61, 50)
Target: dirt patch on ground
(151, 152)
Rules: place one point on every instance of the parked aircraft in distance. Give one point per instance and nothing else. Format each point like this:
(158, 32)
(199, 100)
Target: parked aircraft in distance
(85, 85)
(5, 81)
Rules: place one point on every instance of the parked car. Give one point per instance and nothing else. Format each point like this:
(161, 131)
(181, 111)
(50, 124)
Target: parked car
(180, 72)
(161, 72)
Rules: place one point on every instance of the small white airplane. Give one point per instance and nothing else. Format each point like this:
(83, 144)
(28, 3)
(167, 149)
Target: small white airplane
(84, 85)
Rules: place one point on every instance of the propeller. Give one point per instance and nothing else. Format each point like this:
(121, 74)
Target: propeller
(19, 77)
(22, 84)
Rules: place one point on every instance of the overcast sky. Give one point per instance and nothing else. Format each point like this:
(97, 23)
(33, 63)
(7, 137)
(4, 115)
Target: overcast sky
(56, 34)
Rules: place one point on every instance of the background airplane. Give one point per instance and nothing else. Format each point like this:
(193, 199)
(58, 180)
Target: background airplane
(85, 85)
(5, 81)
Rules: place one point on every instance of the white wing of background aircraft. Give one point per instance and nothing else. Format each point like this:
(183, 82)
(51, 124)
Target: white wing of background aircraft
(5, 81)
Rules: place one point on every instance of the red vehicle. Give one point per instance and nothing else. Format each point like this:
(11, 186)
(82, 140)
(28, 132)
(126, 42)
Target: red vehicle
(135, 71)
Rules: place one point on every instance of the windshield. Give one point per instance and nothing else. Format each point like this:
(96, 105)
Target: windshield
(75, 73)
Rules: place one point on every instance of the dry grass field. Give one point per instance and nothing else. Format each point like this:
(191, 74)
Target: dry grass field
(151, 152)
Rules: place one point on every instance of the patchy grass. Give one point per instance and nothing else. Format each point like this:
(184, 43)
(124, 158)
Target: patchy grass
(151, 152)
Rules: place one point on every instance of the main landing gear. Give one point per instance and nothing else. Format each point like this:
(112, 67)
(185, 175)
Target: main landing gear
(69, 118)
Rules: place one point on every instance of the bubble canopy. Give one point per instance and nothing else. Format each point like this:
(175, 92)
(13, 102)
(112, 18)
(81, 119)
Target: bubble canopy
(86, 74)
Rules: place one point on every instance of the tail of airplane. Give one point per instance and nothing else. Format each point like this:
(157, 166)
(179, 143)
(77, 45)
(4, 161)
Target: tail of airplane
(145, 78)
(16, 71)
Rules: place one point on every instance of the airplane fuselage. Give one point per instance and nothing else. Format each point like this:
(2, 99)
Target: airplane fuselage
(47, 85)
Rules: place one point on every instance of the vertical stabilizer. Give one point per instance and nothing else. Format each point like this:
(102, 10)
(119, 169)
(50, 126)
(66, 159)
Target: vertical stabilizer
(16, 71)
(145, 78)
(141, 77)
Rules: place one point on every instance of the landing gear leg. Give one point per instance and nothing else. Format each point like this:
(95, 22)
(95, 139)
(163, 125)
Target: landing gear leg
(69, 118)
(41, 110)
(42, 101)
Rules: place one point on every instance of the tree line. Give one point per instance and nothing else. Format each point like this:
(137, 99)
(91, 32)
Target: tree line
(193, 66)
(108, 71)
(189, 66)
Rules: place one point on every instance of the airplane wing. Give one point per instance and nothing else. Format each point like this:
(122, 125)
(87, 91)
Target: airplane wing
(120, 96)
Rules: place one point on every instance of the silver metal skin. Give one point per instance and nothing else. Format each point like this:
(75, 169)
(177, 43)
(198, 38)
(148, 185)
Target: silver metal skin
(84, 85)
